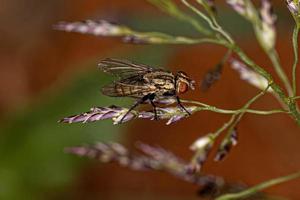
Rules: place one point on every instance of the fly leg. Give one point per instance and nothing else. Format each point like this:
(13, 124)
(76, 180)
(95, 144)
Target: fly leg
(151, 98)
(140, 101)
(181, 106)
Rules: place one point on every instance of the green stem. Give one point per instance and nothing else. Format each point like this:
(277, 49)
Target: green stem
(219, 28)
(212, 23)
(296, 97)
(203, 106)
(273, 55)
(253, 190)
(170, 7)
(198, 12)
(162, 38)
(225, 126)
(295, 47)
(243, 111)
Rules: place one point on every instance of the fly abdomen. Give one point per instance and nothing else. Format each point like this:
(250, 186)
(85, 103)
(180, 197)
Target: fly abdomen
(121, 90)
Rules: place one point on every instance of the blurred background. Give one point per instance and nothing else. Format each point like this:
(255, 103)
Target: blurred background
(46, 75)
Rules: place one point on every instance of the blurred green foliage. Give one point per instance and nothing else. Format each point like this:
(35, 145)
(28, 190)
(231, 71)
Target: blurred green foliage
(32, 157)
(32, 160)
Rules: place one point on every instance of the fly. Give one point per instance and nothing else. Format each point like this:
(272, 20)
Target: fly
(144, 83)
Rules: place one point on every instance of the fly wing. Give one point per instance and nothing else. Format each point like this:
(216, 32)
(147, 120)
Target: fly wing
(131, 87)
(123, 68)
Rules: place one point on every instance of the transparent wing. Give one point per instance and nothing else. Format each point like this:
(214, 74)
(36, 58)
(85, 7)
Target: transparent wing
(123, 68)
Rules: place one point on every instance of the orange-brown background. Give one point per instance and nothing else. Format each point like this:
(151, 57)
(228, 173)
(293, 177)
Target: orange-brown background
(34, 58)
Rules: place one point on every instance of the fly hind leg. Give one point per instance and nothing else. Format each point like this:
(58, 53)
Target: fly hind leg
(140, 101)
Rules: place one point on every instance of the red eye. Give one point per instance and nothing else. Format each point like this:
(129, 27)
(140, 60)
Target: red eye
(182, 87)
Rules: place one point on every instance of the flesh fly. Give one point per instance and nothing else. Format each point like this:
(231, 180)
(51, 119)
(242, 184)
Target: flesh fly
(145, 83)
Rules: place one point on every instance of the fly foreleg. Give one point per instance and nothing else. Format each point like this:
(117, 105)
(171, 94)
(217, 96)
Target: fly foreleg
(181, 106)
